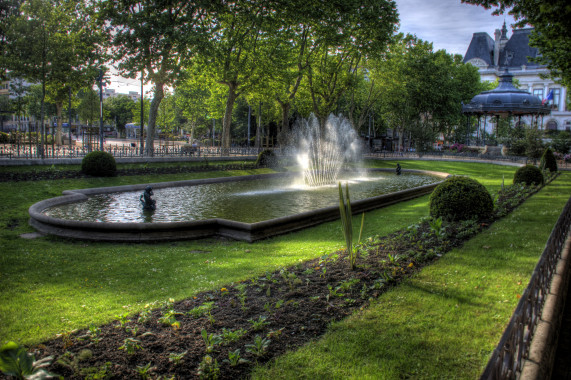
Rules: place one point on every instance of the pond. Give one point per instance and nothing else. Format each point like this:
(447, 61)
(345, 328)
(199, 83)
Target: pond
(247, 201)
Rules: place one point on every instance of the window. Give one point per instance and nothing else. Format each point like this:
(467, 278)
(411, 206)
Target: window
(551, 125)
(538, 92)
(554, 103)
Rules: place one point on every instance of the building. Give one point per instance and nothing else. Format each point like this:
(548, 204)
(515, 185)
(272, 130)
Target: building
(514, 53)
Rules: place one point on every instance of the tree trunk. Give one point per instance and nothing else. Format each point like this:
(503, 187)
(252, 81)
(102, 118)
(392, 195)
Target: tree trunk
(227, 122)
(283, 133)
(58, 137)
(158, 96)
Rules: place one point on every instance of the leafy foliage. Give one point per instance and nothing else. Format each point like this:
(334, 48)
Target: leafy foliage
(460, 198)
(267, 158)
(528, 174)
(16, 361)
(548, 161)
(99, 164)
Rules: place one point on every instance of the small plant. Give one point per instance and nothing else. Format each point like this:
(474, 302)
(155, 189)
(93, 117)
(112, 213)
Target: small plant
(208, 368)
(234, 358)
(347, 285)
(229, 336)
(97, 373)
(122, 319)
(290, 278)
(201, 310)
(242, 295)
(259, 324)
(347, 224)
(279, 304)
(275, 333)
(436, 227)
(169, 319)
(145, 315)
(333, 292)
(66, 338)
(132, 329)
(145, 371)
(71, 361)
(94, 334)
(131, 345)
(16, 361)
(210, 340)
(259, 347)
(176, 358)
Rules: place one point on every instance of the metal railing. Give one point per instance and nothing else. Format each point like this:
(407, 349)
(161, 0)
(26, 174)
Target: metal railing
(119, 151)
(508, 357)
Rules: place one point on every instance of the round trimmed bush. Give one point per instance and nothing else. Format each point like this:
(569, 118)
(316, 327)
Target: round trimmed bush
(528, 174)
(99, 164)
(461, 198)
(267, 158)
(548, 161)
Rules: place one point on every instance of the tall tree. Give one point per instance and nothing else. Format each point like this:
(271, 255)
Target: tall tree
(240, 46)
(551, 20)
(363, 30)
(54, 43)
(154, 38)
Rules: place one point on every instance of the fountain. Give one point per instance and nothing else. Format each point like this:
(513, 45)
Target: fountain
(323, 150)
(244, 208)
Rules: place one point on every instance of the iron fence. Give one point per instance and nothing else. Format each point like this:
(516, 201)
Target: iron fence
(508, 357)
(16, 152)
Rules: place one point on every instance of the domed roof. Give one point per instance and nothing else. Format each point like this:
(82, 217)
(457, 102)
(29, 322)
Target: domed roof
(505, 99)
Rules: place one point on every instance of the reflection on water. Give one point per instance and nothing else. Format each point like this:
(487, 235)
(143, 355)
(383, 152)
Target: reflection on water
(243, 201)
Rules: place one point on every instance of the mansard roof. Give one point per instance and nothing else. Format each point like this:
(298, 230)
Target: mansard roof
(514, 54)
(481, 46)
(517, 51)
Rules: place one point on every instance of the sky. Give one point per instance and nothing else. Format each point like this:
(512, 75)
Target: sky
(448, 24)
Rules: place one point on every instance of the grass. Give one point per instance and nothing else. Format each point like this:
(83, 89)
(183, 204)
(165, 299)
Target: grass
(442, 323)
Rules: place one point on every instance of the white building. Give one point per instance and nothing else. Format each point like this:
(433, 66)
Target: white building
(489, 55)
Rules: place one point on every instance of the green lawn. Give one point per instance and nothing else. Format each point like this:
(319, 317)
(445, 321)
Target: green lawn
(442, 323)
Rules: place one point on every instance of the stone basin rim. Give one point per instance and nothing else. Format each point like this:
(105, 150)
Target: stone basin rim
(169, 231)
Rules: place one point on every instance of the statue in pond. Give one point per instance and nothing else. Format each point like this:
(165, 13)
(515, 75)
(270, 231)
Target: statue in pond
(398, 170)
(146, 200)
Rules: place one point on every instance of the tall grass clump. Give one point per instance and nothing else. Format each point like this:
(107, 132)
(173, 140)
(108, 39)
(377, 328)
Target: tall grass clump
(347, 224)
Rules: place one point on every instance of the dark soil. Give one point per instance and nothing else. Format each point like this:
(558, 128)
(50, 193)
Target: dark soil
(295, 306)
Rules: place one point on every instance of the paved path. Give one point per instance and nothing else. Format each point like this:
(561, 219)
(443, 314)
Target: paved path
(562, 364)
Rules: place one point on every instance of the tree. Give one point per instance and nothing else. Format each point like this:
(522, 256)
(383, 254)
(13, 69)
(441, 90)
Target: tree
(154, 38)
(119, 110)
(234, 55)
(53, 43)
(552, 27)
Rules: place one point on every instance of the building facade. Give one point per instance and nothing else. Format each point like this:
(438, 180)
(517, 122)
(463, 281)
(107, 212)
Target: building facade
(490, 55)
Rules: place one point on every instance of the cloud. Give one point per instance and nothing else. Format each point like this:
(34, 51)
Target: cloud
(448, 24)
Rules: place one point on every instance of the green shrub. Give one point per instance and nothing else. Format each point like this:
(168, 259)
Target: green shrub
(548, 161)
(99, 164)
(528, 174)
(460, 198)
(267, 158)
